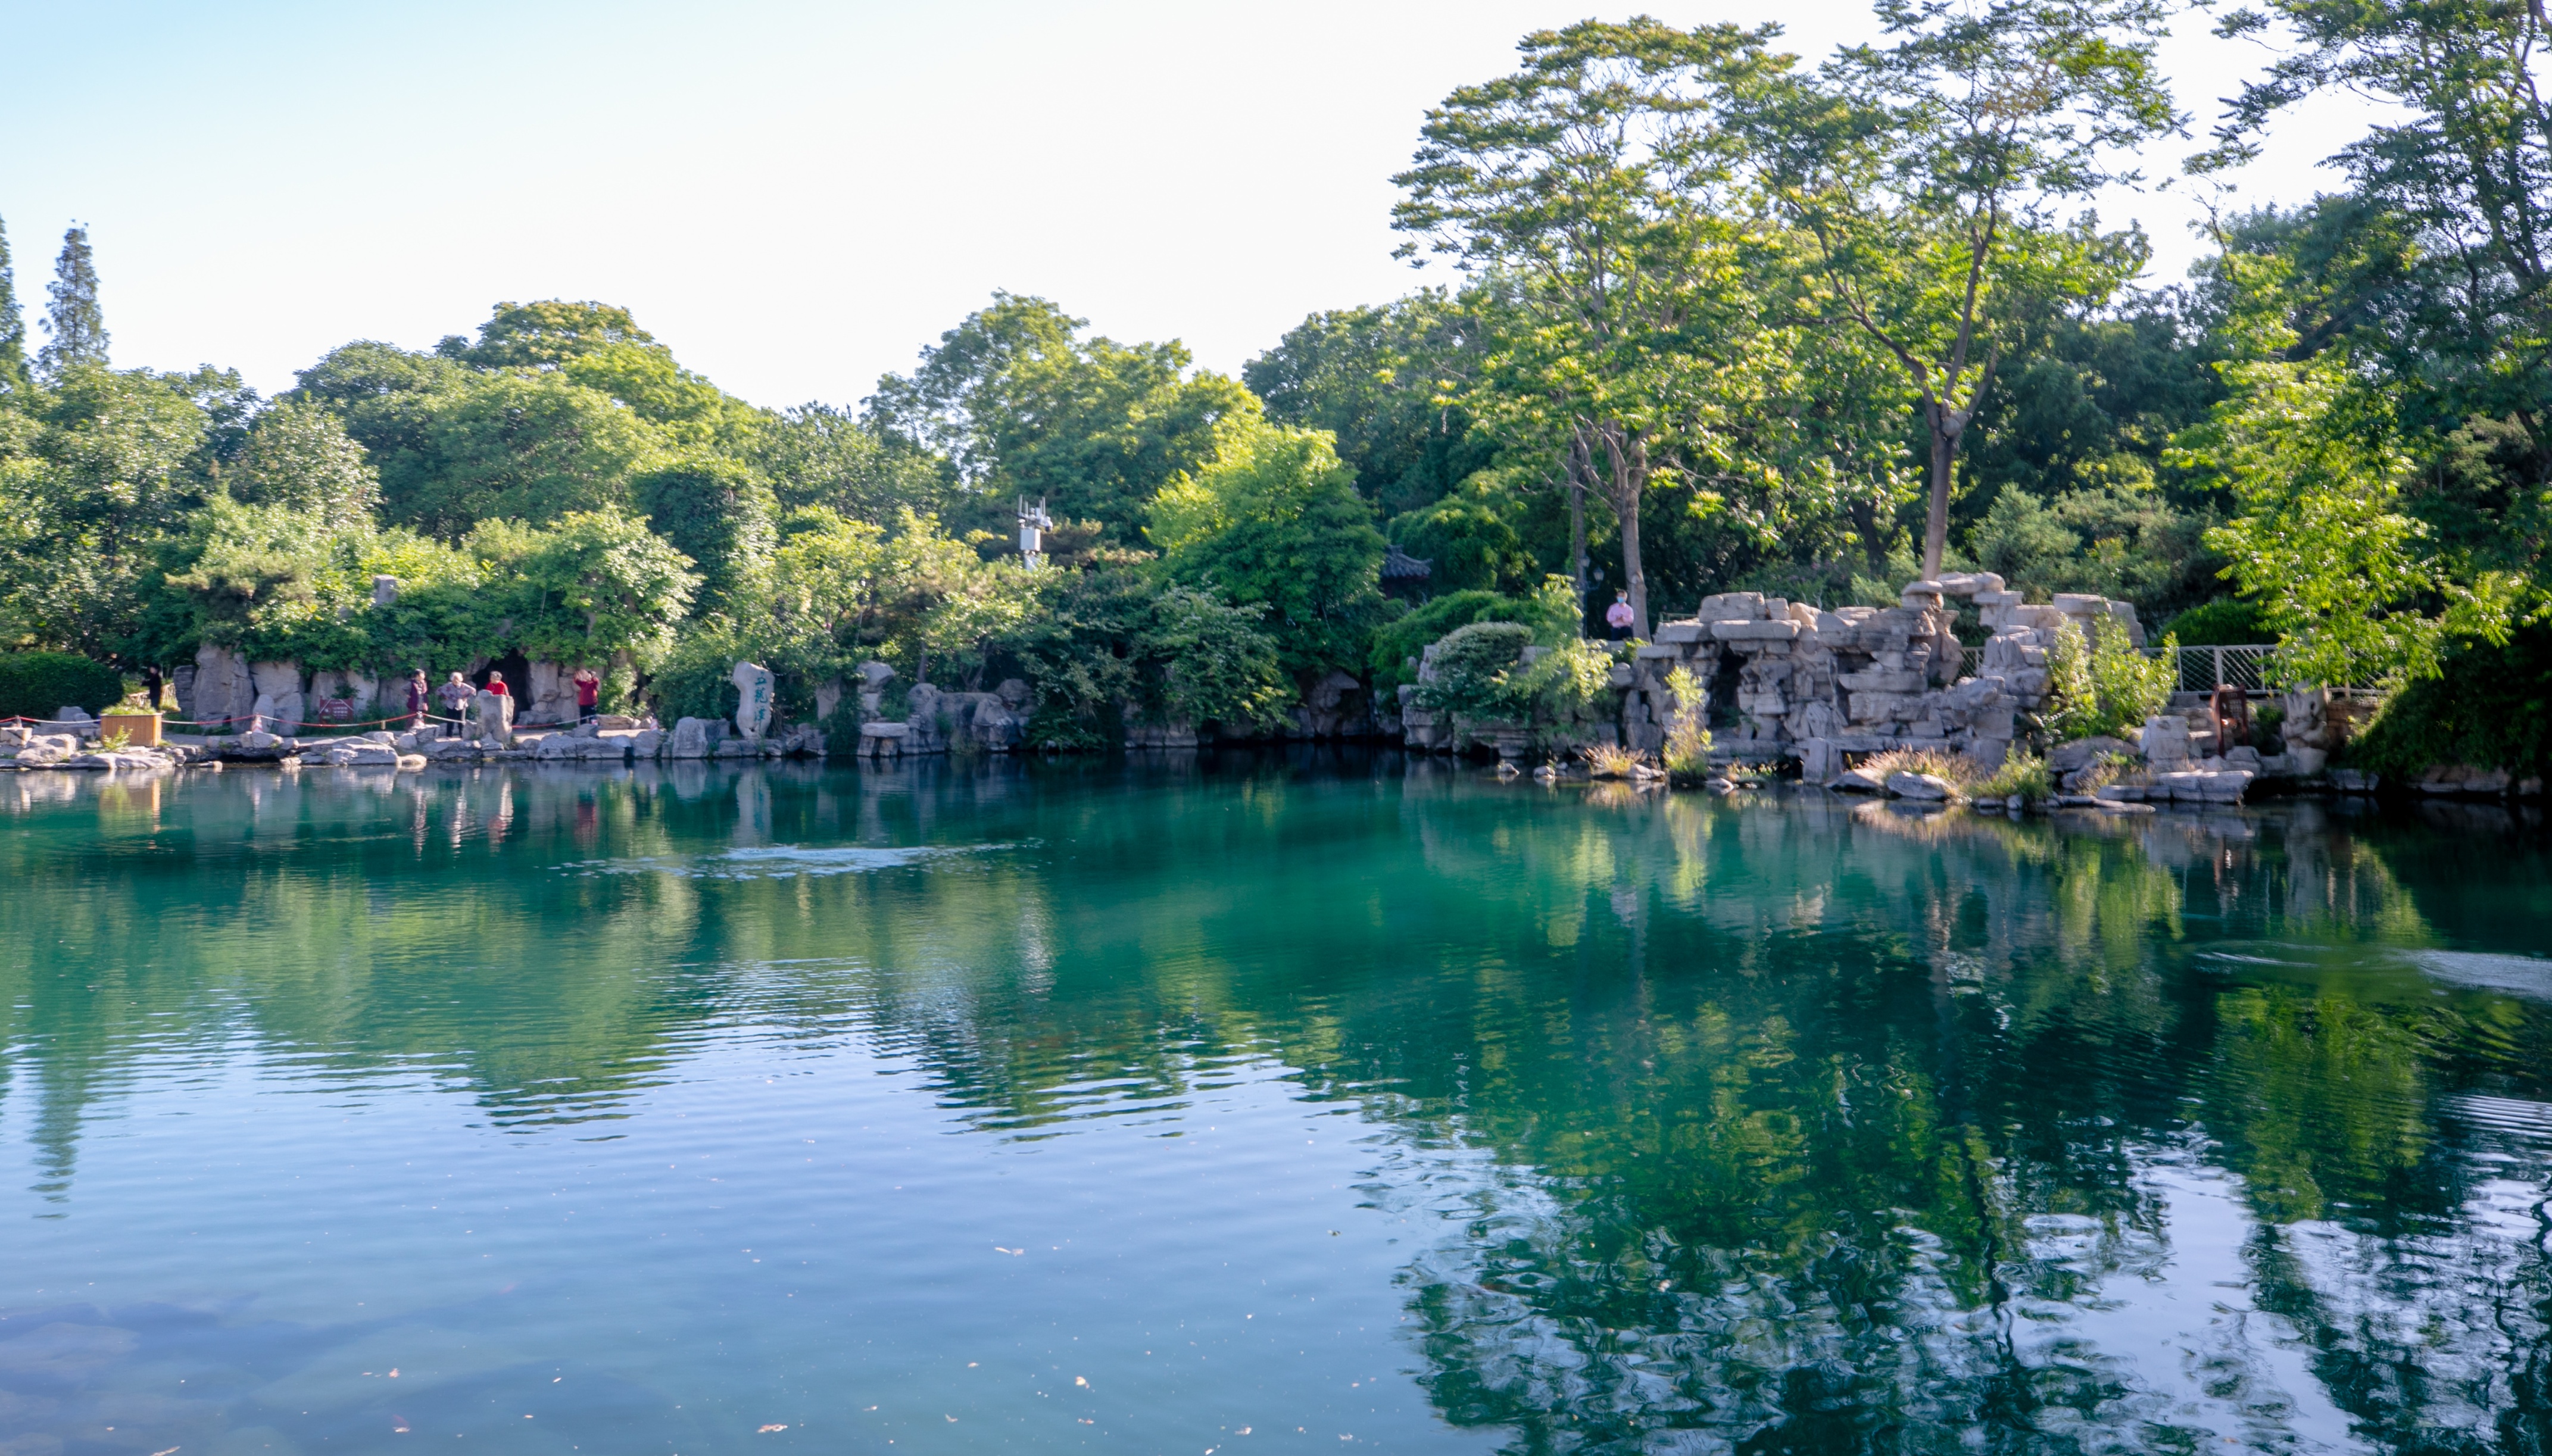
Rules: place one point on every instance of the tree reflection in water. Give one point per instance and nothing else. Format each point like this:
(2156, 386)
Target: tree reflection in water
(1779, 1124)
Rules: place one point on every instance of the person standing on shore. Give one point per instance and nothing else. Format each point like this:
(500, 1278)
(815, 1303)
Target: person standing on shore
(1619, 615)
(417, 698)
(456, 695)
(588, 694)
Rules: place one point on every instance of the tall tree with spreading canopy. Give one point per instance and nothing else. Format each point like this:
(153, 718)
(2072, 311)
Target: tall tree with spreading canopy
(1023, 405)
(1593, 191)
(2434, 271)
(1924, 176)
(76, 326)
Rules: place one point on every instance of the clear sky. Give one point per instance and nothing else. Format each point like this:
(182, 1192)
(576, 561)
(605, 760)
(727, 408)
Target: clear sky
(794, 197)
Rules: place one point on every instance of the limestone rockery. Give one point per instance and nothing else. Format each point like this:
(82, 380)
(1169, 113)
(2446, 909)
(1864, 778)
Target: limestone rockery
(1811, 684)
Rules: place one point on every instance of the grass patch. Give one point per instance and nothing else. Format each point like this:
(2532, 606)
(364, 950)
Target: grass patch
(1610, 761)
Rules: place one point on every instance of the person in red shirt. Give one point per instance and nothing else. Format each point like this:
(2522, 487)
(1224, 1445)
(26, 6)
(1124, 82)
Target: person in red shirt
(588, 694)
(497, 686)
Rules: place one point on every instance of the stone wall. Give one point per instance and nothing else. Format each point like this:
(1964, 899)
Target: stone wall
(1787, 679)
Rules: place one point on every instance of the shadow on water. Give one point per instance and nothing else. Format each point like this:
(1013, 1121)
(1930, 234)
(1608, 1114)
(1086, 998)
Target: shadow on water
(1782, 1122)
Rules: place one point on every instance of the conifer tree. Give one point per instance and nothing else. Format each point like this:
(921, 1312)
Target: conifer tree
(76, 327)
(13, 324)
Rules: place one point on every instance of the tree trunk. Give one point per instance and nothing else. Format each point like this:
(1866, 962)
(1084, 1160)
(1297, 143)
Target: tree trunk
(1628, 455)
(1946, 425)
(1579, 467)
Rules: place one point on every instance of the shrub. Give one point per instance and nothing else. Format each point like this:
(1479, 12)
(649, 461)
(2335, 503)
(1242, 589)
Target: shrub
(1550, 612)
(2488, 706)
(1471, 672)
(2022, 774)
(2227, 621)
(1610, 761)
(1687, 746)
(35, 685)
(1956, 768)
(2105, 686)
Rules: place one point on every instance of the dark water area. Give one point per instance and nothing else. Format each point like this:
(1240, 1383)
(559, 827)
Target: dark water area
(1261, 1102)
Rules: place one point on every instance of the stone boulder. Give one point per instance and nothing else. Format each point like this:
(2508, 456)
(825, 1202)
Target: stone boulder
(690, 739)
(755, 695)
(358, 754)
(46, 750)
(223, 692)
(2165, 741)
(491, 718)
(1929, 787)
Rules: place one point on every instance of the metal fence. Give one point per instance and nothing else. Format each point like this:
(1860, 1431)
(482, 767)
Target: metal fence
(2206, 668)
(2202, 668)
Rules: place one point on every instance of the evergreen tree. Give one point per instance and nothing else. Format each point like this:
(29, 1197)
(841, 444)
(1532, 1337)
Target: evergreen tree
(74, 322)
(13, 324)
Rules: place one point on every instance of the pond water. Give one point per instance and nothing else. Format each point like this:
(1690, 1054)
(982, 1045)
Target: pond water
(1257, 1104)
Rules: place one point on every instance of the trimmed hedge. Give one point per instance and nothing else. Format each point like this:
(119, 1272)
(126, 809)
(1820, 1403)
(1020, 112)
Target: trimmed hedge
(35, 685)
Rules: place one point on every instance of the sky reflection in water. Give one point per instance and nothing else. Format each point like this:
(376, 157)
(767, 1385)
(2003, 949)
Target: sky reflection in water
(1332, 1098)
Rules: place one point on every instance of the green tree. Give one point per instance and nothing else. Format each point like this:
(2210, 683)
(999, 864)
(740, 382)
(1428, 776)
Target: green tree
(1924, 176)
(12, 326)
(102, 475)
(74, 325)
(534, 447)
(1112, 643)
(297, 455)
(1023, 405)
(817, 455)
(595, 584)
(1274, 519)
(718, 512)
(547, 335)
(1377, 378)
(2314, 461)
(1593, 189)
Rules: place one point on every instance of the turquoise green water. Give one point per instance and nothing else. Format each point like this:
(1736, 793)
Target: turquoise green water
(1256, 1104)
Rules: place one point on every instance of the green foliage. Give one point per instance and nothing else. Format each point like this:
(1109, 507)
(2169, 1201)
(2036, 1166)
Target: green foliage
(1022, 405)
(1397, 643)
(1273, 520)
(1473, 537)
(2024, 774)
(1112, 642)
(2488, 705)
(546, 335)
(2122, 542)
(299, 457)
(2105, 686)
(819, 455)
(597, 585)
(1550, 614)
(12, 327)
(74, 325)
(2227, 621)
(1924, 178)
(716, 511)
(1686, 753)
(1565, 682)
(92, 478)
(696, 677)
(1597, 185)
(1371, 377)
(35, 685)
(1474, 669)
(514, 446)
